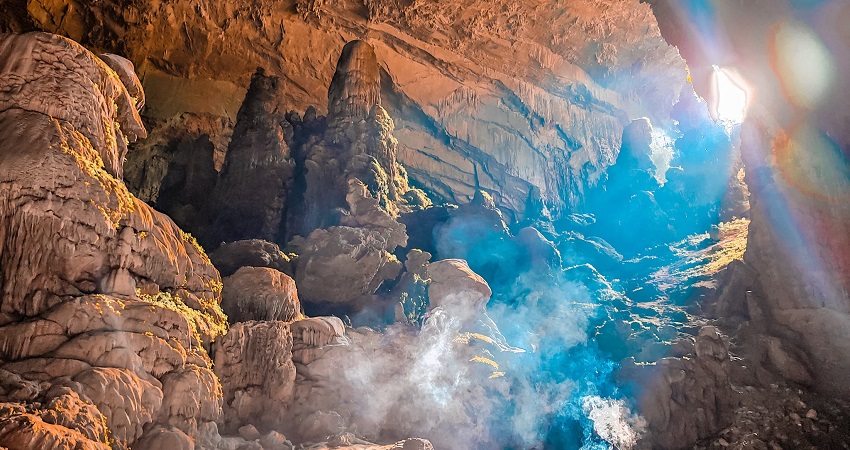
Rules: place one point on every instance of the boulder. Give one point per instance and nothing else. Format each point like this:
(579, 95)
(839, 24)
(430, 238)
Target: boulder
(345, 264)
(342, 265)
(251, 252)
(160, 438)
(260, 293)
(454, 286)
(439, 381)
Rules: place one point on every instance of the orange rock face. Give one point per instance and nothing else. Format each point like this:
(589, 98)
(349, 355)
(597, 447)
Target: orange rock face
(101, 295)
(510, 90)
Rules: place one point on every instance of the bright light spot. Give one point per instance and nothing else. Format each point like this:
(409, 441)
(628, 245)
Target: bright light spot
(730, 99)
(803, 63)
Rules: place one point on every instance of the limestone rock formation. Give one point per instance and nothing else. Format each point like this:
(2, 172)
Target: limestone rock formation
(55, 418)
(175, 159)
(688, 399)
(354, 92)
(455, 286)
(190, 177)
(258, 170)
(441, 379)
(461, 108)
(391, 384)
(263, 190)
(345, 264)
(347, 441)
(356, 84)
(260, 293)
(342, 264)
(315, 333)
(411, 291)
(357, 142)
(254, 363)
(104, 301)
(251, 253)
(477, 232)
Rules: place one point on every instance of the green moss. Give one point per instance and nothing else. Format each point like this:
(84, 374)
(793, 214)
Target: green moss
(417, 199)
(199, 322)
(189, 239)
(91, 165)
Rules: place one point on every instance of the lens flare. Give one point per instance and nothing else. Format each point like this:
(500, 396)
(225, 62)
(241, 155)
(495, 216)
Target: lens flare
(730, 99)
(803, 63)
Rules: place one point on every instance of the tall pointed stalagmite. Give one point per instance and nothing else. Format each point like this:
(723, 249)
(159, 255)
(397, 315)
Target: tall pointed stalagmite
(257, 174)
(356, 85)
(356, 143)
(355, 94)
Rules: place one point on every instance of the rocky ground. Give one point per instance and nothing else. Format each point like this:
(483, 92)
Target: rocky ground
(782, 417)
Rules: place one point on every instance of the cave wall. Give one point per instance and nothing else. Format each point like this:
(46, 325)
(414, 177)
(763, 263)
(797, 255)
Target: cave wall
(795, 143)
(506, 96)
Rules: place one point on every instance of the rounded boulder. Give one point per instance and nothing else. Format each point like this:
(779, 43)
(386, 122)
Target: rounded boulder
(260, 293)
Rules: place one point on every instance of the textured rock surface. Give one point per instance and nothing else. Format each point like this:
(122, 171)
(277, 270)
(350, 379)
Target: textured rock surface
(488, 105)
(176, 159)
(356, 84)
(190, 177)
(260, 293)
(254, 362)
(57, 418)
(794, 145)
(258, 170)
(504, 96)
(251, 253)
(348, 441)
(76, 244)
(687, 399)
(344, 264)
(381, 383)
(264, 191)
(453, 283)
(356, 142)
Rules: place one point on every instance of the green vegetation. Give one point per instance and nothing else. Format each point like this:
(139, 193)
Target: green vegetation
(200, 323)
